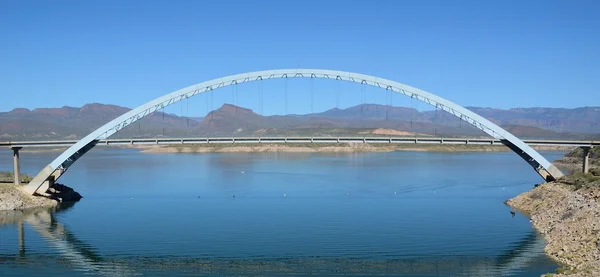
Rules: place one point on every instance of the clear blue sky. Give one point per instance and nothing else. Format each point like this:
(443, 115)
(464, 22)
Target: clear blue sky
(498, 54)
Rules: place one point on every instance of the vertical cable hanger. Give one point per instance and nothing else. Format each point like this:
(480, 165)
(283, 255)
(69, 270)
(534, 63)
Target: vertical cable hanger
(258, 89)
(286, 103)
(286, 95)
(235, 97)
(337, 94)
(437, 117)
(311, 94)
(387, 103)
(362, 98)
(212, 103)
(260, 95)
(417, 110)
(163, 118)
(187, 116)
(411, 112)
(391, 99)
(187, 108)
(206, 95)
(180, 109)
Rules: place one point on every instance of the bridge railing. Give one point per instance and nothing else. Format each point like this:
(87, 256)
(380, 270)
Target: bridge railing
(299, 139)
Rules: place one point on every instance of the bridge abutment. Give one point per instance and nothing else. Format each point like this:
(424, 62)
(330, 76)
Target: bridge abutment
(16, 164)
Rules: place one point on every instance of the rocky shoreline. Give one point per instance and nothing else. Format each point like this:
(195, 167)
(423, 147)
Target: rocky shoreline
(13, 198)
(567, 213)
(569, 221)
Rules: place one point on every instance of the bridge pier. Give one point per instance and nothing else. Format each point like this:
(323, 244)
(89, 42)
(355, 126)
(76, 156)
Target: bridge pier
(586, 158)
(17, 166)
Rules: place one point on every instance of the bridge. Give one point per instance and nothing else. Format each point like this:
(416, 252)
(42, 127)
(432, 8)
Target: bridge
(295, 140)
(53, 171)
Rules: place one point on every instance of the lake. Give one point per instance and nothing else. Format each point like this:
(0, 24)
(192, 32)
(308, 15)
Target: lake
(273, 214)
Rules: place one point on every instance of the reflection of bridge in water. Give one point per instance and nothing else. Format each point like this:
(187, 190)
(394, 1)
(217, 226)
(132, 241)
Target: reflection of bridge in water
(77, 253)
(83, 257)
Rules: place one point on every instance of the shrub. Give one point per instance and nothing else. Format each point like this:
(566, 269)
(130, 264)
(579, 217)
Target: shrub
(578, 153)
(8, 176)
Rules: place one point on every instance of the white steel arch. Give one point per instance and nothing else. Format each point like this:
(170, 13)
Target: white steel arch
(57, 167)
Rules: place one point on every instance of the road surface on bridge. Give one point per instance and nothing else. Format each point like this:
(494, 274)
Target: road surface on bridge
(292, 140)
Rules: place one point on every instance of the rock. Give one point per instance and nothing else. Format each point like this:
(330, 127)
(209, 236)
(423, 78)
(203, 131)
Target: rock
(63, 193)
(13, 198)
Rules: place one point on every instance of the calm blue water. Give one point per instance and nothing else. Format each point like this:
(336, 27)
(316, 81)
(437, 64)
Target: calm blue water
(357, 214)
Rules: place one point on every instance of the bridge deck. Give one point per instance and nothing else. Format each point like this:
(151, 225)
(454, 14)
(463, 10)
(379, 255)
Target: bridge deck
(232, 140)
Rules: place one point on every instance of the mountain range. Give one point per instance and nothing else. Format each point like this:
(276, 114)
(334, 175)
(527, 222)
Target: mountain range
(228, 120)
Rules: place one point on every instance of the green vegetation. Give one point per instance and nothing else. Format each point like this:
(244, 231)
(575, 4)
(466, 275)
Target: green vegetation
(571, 163)
(578, 152)
(566, 271)
(580, 180)
(6, 176)
(594, 155)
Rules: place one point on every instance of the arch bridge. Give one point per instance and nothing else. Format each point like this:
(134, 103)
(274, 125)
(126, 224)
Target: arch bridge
(61, 164)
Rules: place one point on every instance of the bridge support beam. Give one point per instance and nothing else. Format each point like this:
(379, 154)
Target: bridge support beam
(586, 159)
(17, 166)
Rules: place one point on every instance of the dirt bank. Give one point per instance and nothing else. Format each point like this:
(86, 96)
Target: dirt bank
(242, 148)
(569, 218)
(326, 148)
(392, 132)
(12, 198)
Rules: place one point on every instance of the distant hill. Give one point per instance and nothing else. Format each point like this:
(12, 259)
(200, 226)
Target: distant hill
(228, 120)
(73, 123)
(578, 120)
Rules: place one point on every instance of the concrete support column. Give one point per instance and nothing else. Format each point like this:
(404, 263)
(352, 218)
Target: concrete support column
(17, 166)
(586, 158)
